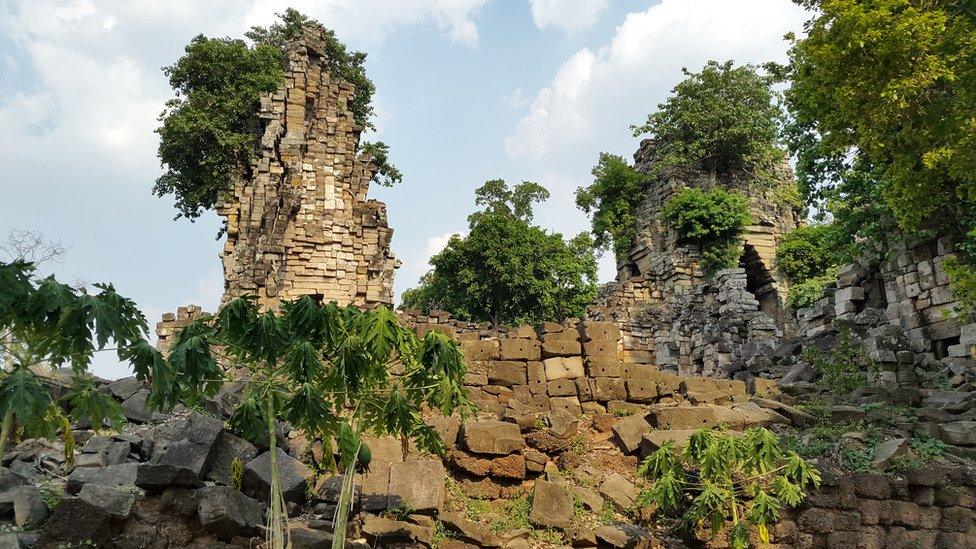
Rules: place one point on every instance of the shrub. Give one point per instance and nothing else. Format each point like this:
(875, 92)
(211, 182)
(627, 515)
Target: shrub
(808, 252)
(722, 479)
(713, 219)
(844, 369)
(806, 293)
(616, 190)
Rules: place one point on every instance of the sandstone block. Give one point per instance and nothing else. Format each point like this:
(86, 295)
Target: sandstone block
(507, 373)
(600, 347)
(561, 387)
(608, 388)
(482, 349)
(563, 367)
(492, 437)
(418, 485)
(519, 349)
(600, 330)
(628, 432)
(603, 366)
(552, 505)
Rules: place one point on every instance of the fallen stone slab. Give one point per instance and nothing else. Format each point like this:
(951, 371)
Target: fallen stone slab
(112, 475)
(385, 530)
(493, 437)
(195, 451)
(624, 536)
(619, 490)
(309, 538)
(418, 485)
(293, 473)
(628, 431)
(159, 476)
(226, 513)
(228, 448)
(552, 505)
(116, 501)
(30, 510)
(10, 485)
(886, 452)
(75, 519)
(959, 433)
(469, 531)
(738, 417)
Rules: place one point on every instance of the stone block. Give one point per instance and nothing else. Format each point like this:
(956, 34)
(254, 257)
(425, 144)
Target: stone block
(561, 387)
(507, 373)
(600, 330)
(642, 390)
(294, 476)
(481, 349)
(570, 404)
(603, 366)
(600, 347)
(628, 432)
(536, 372)
(492, 437)
(563, 367)
(418, 485)
(520, 349)
(561, 344)
(608, 388)
(552, 505)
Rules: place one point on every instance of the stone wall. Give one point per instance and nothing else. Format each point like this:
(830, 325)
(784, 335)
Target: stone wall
(298, 221)
(904, 304)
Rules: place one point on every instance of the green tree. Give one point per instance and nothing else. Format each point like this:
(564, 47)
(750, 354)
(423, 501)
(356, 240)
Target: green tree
(507, 270)
(881, 107)
(611, 199)
(809, 256)
(46, 324)
(718, 120)
(724, 480)
(208, 132)
(713, 220)
(327, 370)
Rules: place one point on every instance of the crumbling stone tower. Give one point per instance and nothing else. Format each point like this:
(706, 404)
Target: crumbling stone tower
(298, 222)
(670, 314)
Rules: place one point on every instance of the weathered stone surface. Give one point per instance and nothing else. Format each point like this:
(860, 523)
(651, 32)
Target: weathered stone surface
(294, 476)
(619, 490)
(309, 538)
(507, 373)
(227, 448)
(563, 367)
(552, 505)
(389, 530)
(158, 476)
(116, 501)
(569, 403)
(418, 485)
(695, 417)
(608, 388)
(959, 433)
(134, 407)
(889, 450)
(226, 513)
(520, 349)
(29, 507)
(113, 475)
(10, 485)
(628, 431)
(481, 349)
(492, 437)
(75, 519)
(196, 449)
(448, 429)
(125, 387)
(469, 531)
(623, 536)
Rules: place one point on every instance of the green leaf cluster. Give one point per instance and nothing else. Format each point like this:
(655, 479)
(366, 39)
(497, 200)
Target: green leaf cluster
(507, 270)
(713, 220)
(721, 119)
(209, 130)
(611, 200)
(46, 324)
(727, 481)
(809, 256)
(881, 118)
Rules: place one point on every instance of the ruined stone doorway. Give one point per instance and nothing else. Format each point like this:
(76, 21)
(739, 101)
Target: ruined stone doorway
(761, 284)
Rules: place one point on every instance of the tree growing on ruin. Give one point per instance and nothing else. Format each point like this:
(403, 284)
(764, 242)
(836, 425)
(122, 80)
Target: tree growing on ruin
(720, 119)
(711, 219)
(209, 130)
(327, 370)
(610, 200)
(881, 107)
(507, 270)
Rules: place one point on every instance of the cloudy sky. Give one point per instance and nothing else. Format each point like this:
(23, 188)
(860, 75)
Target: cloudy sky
(468, 90)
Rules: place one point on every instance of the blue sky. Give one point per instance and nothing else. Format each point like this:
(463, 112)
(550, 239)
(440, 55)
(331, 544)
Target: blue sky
(468, 90)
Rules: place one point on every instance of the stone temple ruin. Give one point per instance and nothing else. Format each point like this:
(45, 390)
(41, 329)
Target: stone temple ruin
(663, 351)
(298, 221)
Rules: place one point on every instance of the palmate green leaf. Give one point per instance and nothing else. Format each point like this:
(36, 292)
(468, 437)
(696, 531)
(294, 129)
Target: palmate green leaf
(697, 443)
(15, 287)
(22, 393)
(666, 490)
(302, 361)
(383, 333)
(713, 498)
(308, 410)
(195, 371)
(800, 471)
(428, 440)
(235, 321)
(302, 318)
(267, 338)
(145, 359)
(739, 536)
(348, 441)
(51, 297)
(399, 415)
(101, 316)
(87, 403)
(763, 449)
(662, 461)
(764, 508)
(789, 493)
(249, 420)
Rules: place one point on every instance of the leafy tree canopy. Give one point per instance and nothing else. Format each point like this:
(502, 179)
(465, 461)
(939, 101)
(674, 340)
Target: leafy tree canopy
(713, 219)
(208, 131)
(882, 107)
(720, 119)
(507, 270)
(611, 199)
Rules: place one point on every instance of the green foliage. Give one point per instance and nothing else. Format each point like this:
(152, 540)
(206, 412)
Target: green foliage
(962, 281)
(807, 252)
(806, 293)
(616, 191)
(207, 132)
(720, 119)
(515, 516)
(722, 481)
(44, 323)
(507, 270)
(845, 368)
(881, 108)
(712, 219)
(327, 371)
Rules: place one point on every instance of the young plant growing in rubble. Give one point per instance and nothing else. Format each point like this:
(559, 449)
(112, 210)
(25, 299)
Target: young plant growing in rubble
(326, 369)
(721, 479)
(46, 324)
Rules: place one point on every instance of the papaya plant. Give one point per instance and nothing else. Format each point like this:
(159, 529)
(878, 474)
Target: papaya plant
(337, 373)
(46, 324)
(723, 479)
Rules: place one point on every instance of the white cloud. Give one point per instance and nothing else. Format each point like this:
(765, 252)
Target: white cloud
(569, 15)
(516, 98)
(368, 21)
(595, 96)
